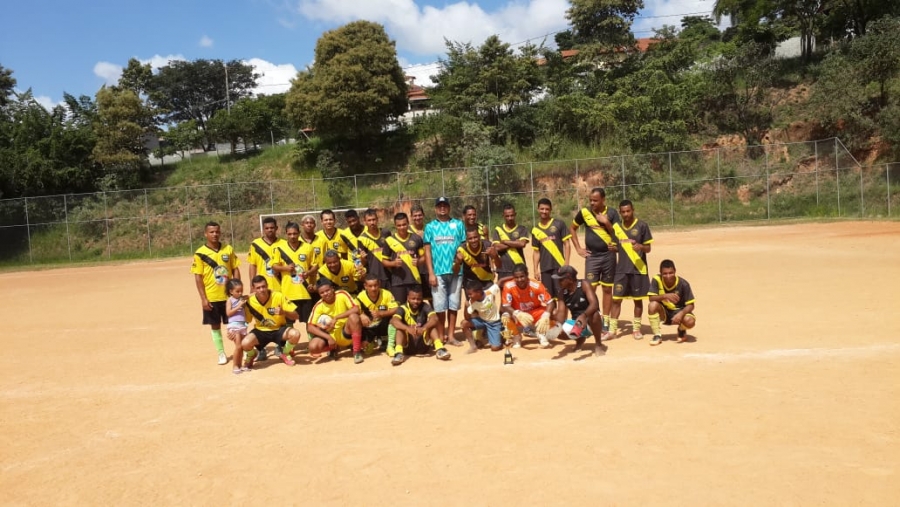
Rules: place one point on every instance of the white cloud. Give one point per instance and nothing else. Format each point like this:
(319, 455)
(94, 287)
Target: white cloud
(109, 72)
(206, 42)
(273, 78)
(47, 102)
(422, 72)
(422, 30)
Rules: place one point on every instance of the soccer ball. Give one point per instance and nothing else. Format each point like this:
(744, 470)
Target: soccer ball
(324, 320)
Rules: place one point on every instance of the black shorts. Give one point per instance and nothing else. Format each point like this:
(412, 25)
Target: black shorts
(217, 315)
(417, 347)
(631, 286)
(600, 269)
(426, 288)
(266, 337)
(370, 333)
(304, 310)
(671, 313)
(552, 284)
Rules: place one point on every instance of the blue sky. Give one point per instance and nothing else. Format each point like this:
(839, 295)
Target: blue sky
(54, 46)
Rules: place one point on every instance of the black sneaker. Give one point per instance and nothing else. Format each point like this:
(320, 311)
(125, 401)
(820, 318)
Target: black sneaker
(333, 354)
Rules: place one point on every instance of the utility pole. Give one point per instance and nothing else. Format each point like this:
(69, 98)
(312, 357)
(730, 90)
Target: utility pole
(227, 90)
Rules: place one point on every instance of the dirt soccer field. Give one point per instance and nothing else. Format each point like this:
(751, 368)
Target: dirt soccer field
(789, 395)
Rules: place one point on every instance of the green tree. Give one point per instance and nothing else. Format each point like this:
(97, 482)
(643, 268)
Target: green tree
(603, 22)
(196, 90)
(184, 136)
(137, 77)
(877, 54)
(7, 85)
(355, 88)
(120, 148)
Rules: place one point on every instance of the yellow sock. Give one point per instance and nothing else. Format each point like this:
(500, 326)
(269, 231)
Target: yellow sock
(613, 326)
(654, 323)
(288, 347)
(636, 325)
(398, 349)
(438, 344)
(606, 321)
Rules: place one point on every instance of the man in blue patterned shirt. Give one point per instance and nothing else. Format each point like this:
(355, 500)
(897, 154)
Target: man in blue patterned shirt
(442, 237)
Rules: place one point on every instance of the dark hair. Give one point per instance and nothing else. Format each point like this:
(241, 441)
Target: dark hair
(468, 207)
(232, 283)
(509, 205)
(475, 285)
(625, 202)
(599, 190)
(520, 268)
(292, 225)
(370, 212)
(373, 276)
(326, 212)
(475, 230)
(666, 263)
(211, 224)
(270, 220)
(351, 213)
(417, 207)
(257, 279)
(414, 288)
(401, 216)
(324, 282)
(330, 253)
(546, 201)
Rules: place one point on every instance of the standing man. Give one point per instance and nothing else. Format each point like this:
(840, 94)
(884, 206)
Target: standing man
(263, 254)
(331, 237)
(600, 260)
(354, 227)
(477, 258)
(214, 263)
(372, 243)
(550, 242)
(633, 241)
(270, 311)
(404, 256)
(672, 301)
(417, 227)
(298, 273)
(442, 237)
(510, 240)
(470, 217)
(578, 299)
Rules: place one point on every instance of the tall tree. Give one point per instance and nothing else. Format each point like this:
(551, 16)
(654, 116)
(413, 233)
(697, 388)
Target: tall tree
(137, 77)
(120, 148)
(604, 22)
(7, 84)
(196, 90)
(354, 89)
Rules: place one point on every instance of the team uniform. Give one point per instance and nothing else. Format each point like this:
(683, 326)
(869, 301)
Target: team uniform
(343, 301)
(532, 300)
(407, 316)
(550, 242)
(268, 327)
(345, 279)
(511, 256)
(409, 250)
(476, 265)
(216, 267)
(577, 303)
(423, 269)
(631, 281)
(681, 287)
(600, 266)
(264, 255)
(294, 286)
(443, 239)
(481, 228)
(375, 253)
(378, 328)
(337, 242)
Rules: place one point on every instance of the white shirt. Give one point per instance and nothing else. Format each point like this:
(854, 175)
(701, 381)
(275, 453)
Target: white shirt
(488, 308)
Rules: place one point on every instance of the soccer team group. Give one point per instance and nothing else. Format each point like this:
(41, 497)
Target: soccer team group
(372, 290)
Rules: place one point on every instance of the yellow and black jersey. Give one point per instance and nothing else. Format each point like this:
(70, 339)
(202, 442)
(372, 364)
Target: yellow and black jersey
(216, 267)
(511, 256)
(407, 316)
(294, 286)
(681, 287)
(345, 278)
(409, 250)
(550, 241)
(630, 261)
(476, 265)
(338, 242)
(263, 314)
(264, 256)
(596, 238)
(384, 301)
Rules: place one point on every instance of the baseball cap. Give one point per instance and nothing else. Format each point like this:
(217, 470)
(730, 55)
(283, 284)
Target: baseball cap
(442, 200)
(564, 272)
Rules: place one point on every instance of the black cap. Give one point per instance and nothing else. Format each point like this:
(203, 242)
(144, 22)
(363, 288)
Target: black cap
(442, 200)
(565, 272)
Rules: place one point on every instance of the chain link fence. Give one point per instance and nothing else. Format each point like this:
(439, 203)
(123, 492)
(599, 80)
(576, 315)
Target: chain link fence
(816, 179)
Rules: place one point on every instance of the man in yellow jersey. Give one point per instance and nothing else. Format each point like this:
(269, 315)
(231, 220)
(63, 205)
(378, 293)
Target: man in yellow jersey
(343, 274)
(309, 237)
(404, 256)
(672, 301)
(417, 227)
(354, 226)
(415, 328)
(270, 311)
(335, 323)
(376, 307)
(213, 264)
(263, 254)
(372, 245)
(477, 258)
(470, 218)
(633, 241)
(332, 238)
(510, 240)
(298, 273)
(600, 260)
(550, 242)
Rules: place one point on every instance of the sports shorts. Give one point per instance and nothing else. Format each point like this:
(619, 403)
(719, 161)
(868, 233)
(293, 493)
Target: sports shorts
(304, 310)
(671, 313)
(552, 284)
(631, 286)
(266, 337)
(600, 269)
(217, 315)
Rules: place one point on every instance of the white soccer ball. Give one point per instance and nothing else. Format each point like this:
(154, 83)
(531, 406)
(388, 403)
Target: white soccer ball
(324, 320)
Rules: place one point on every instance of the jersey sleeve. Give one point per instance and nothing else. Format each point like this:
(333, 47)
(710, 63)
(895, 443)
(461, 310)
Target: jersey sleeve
(317, 312)
(427, 235)
(688, 294)
(566, 234)
(401, 314)
(196, 266)
(654, 287)
(287, 305)
(578, 221)
(646, 237)
(390, 302)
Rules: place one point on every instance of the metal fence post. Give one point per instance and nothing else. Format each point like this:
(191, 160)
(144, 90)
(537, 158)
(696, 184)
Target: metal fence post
(356, 191)
(399, 191)
(147, 218)
(272, 196)
(816, 161)
(887, 174)
(188, 216)
(312, 183)
(106, 219)
(671, 190)
(230, 212)
(623, 178)
(837, 175)
(68, 238)
(862, 195)
(531, 166)
(487, 197)
(768, 194)
(28, 231)
(719, 181)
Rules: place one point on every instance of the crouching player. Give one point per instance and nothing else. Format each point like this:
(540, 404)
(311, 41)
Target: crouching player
(376, 306)
(415, 329)
(270, 310)
(672, 301)
(482, 312)
(527, 302)
(334, 323)
(577, 297)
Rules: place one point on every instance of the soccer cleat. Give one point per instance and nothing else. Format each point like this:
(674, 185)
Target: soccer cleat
(333, 354)
(262, 355)
(443, 354)
(398, 359)
(682, 336)
(278, 351)
(223, 359)
(249, 357)
(286, 359)
(358, 358)
(657, 339)
(638, 335)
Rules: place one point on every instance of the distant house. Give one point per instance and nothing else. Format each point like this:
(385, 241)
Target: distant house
(418, 100)
(640, 45)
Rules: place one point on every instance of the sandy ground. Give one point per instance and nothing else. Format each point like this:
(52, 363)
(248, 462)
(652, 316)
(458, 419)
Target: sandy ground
(789, 395)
